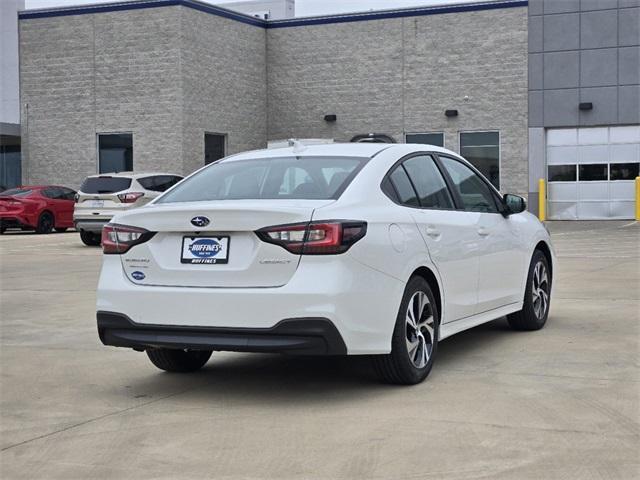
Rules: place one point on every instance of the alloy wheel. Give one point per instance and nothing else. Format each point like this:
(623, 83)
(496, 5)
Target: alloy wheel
(419, 329)
(46, 223)
(540, 290)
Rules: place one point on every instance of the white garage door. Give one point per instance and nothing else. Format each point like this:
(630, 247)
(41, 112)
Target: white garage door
(591, 172)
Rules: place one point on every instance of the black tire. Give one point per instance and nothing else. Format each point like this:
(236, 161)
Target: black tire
(61, 229)
(535, 308)
(178, 361)
(399, 366)
(90, 239)
(45, 223)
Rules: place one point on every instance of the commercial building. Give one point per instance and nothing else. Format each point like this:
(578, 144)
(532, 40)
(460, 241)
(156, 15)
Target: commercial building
(175, 84)
(584, 106)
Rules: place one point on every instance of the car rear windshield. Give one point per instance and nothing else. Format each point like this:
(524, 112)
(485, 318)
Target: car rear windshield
(16, 192)
(304, 178)
(105, 184)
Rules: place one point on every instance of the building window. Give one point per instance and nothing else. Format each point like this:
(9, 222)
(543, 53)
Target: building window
(593, 172)
(482, 149)
(214, 147)
(561, 173)
(10, 162)
(115, 152)
(434, 138)
(624, 171)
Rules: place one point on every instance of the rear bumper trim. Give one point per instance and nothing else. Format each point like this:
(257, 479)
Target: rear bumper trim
(91, 225)
(300, 336)
(14, 222)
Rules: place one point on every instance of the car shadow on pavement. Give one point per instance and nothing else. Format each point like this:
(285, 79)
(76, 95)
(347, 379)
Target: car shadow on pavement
(273, 377)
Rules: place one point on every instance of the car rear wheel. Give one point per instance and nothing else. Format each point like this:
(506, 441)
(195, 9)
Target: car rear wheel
(61, 229)
(415, 337)
(90, 239)
(535, 308)
(179, 361)
(45, 223)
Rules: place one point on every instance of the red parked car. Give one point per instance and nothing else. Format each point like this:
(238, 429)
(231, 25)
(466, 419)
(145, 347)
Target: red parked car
(39, 207)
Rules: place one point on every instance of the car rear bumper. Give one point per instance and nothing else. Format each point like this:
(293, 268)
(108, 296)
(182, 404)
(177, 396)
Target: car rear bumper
(361, 303)
(300, 336)
(14, 222)
(90, 225)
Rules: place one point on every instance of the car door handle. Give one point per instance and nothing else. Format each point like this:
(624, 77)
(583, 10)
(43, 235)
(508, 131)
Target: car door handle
(433, 232)
(483, 232)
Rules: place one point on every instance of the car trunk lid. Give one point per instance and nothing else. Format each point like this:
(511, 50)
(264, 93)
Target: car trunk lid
(219, 248)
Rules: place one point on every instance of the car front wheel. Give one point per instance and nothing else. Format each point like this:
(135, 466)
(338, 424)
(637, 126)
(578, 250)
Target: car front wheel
(537, 295)
(90, 239)
(415, 337)
(178, 361)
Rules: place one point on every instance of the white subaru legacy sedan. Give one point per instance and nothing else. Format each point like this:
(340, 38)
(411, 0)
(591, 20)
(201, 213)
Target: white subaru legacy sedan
(338, 249)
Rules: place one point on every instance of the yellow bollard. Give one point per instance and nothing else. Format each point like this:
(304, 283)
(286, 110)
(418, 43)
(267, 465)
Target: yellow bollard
(542, 199)
(638, 199)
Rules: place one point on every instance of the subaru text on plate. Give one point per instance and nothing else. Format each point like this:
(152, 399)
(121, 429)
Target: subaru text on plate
(340, 249)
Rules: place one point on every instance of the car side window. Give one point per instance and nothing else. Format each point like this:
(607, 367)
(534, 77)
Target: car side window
(429, 183)
(475, 193)
(53, 193)
(164, 182)
(402, 185)
(68, 194)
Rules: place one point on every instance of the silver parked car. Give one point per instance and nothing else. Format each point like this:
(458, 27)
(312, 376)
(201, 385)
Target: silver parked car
(102, 196)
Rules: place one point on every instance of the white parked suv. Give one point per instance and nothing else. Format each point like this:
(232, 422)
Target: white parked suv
(102, 196)
(377, 249)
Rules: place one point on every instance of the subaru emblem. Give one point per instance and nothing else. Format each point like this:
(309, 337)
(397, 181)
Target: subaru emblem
(137, 275)
(199, 221)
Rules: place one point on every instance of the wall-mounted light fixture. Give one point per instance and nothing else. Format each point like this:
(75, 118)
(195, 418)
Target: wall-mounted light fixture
(586, 106)
(451, 113)
(330, 118)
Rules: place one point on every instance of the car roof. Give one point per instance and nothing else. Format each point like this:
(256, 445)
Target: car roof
(132, 174)
(365, 150)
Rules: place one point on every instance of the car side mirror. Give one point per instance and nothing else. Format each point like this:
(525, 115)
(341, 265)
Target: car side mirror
(514, 204)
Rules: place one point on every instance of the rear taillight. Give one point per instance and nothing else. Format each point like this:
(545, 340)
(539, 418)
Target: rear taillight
(130, 197)
(118, 239)
(315, 238)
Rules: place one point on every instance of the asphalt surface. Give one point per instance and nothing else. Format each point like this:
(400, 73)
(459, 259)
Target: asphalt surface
(561, 403)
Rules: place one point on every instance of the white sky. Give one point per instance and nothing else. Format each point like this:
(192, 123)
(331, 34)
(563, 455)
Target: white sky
(303, 7)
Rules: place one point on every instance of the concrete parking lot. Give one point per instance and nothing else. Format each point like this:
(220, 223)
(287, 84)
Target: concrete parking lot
(563, 402)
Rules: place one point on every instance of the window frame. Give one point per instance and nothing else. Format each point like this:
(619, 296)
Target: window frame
(98, 134)
(460, 132)
(444, 137)
(495, 193)
(399, 163)
(225, 146)
(68, 192)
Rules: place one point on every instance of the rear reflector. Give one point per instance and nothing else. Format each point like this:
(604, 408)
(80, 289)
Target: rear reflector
(130, 197)
(118, 239)
(315, 238)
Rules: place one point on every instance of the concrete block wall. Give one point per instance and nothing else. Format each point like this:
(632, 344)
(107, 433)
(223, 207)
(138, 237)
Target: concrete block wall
(166, 75)
(99, 73)
(224, 84)
(398, 76)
